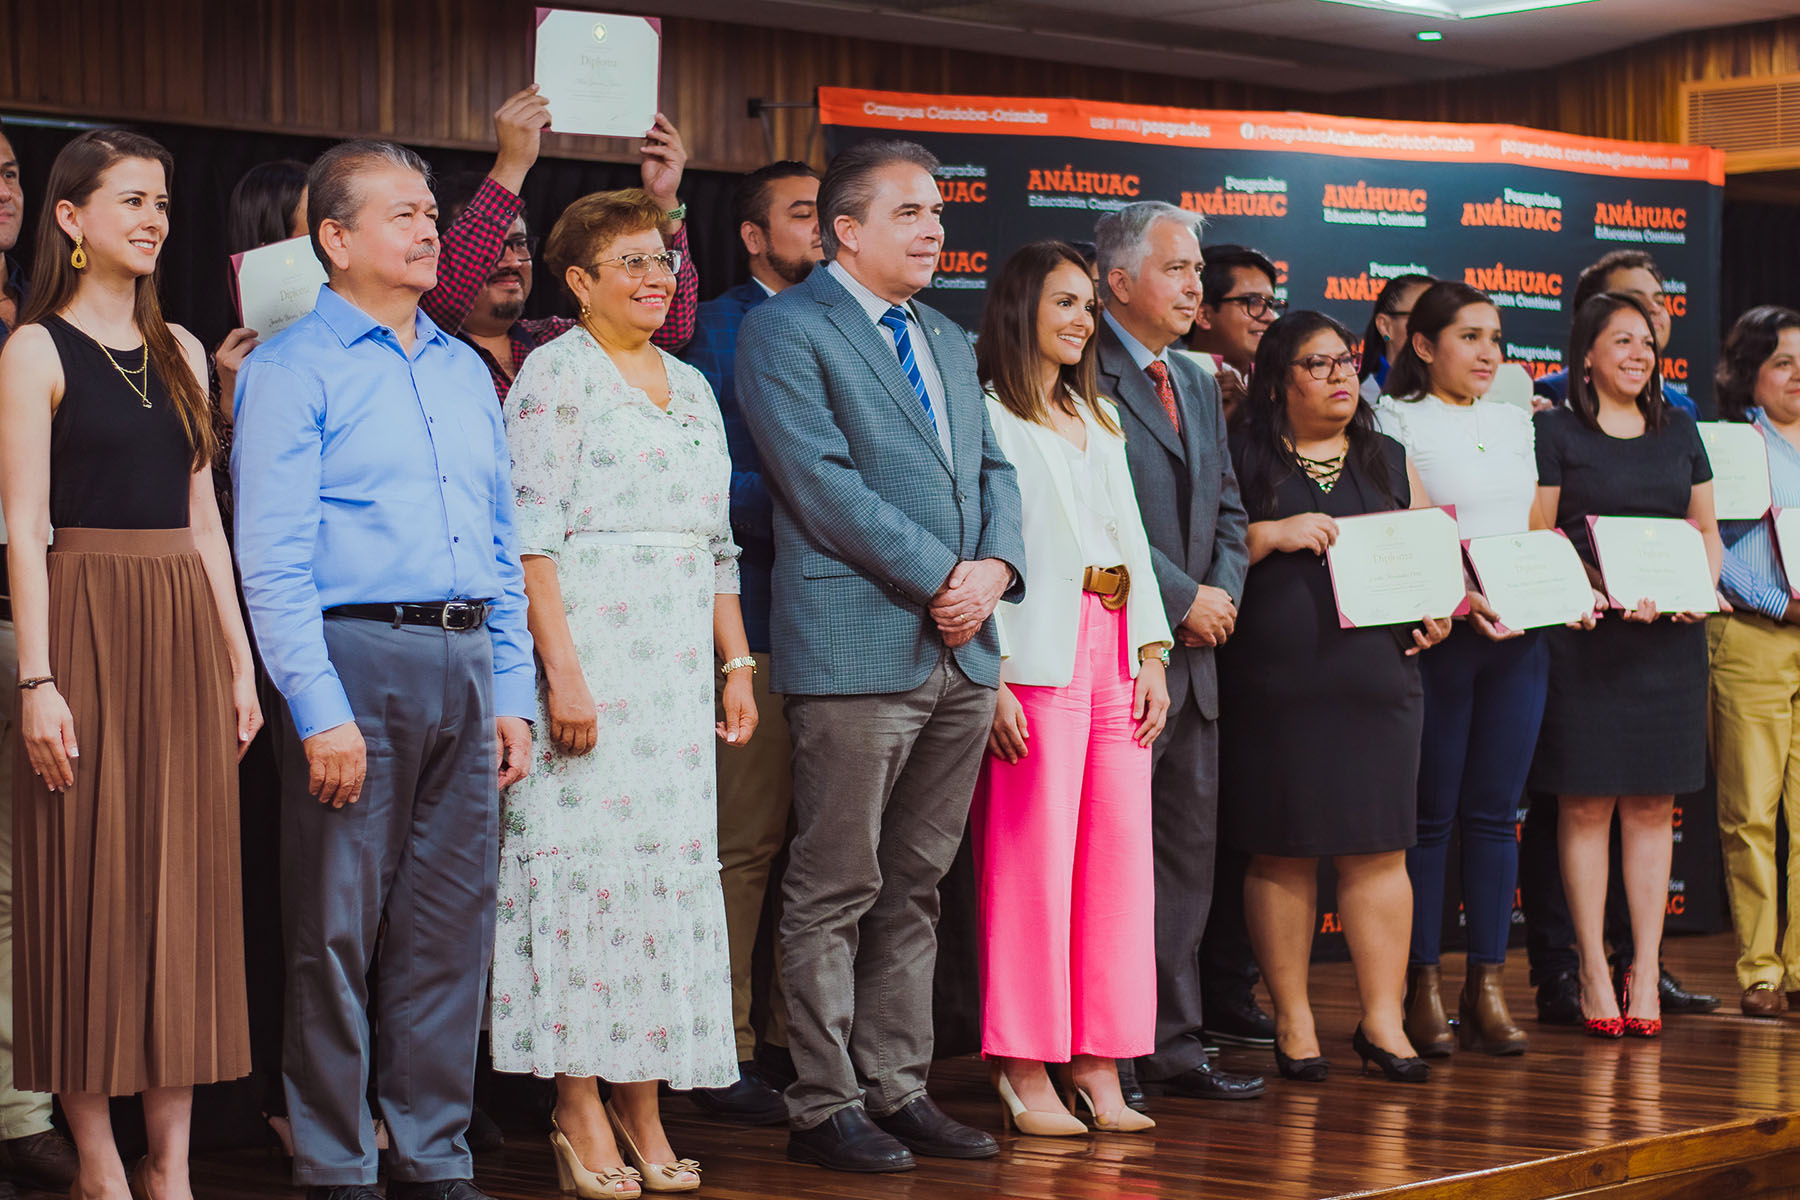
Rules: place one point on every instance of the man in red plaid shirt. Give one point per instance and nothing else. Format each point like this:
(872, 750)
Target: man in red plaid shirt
(484, 252)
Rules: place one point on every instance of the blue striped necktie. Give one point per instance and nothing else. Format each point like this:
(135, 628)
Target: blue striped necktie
(895, 319)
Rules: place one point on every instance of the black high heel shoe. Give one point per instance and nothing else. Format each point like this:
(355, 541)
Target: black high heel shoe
(1400, 1070)
(1306, 1070)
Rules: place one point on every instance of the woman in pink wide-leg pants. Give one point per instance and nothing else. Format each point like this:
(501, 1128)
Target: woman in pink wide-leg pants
(1061, 819)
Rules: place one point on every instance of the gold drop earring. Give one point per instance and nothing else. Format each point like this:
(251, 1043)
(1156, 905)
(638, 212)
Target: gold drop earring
(78, 258)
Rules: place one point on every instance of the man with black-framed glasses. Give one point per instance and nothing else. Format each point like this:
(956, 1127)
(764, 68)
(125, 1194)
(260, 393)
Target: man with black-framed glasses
(1237, 303)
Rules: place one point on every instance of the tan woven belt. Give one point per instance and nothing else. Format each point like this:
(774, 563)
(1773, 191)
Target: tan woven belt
(1111, 584)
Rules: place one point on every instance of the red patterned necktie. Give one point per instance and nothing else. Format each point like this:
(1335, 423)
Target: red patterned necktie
(1165, 391)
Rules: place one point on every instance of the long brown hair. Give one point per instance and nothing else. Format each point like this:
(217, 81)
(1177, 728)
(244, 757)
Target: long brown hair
(1590, 322)
(1007, 354)
(54, 281)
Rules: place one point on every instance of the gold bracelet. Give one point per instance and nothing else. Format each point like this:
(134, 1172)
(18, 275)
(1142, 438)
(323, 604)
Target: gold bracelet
(736, 663)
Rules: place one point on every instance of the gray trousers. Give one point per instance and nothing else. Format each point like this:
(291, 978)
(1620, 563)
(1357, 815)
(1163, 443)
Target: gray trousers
(882, 786)
(1184, 826)
(417, 850)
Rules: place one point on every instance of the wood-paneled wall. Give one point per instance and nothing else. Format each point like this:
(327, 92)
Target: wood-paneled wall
(432, 72)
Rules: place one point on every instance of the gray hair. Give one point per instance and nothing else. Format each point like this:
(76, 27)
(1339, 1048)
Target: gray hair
(1122, 238)
(331, 190)
(849, 184)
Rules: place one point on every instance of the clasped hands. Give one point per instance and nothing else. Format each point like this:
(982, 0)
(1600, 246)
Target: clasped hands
(968, 598)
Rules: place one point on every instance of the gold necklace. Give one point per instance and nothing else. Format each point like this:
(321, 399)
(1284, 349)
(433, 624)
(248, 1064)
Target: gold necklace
(1323, 471)
(142, 390)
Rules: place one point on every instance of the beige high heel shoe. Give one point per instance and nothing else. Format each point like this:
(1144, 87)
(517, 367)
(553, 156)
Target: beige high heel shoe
(1030, 1121)
(620, 1183)
(1123, 1119)
(682, 1175)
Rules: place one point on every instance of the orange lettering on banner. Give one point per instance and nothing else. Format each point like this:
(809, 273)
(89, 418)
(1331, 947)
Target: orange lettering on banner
(1353, 287)
(1512, 216)
(1221, 203)
(1330, 924)
(963, 262)
(1501, 278)
(1640, 216)
(1675, 821)
(1677, 305)
(1361, 196)
(1094, 183)
(1537, 370)
(1676, 369)
(1281, 272)
(1677, 905)
(963, 191)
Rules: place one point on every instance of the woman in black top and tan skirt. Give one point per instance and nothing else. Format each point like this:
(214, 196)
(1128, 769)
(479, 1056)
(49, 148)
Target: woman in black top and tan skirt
(138, 693)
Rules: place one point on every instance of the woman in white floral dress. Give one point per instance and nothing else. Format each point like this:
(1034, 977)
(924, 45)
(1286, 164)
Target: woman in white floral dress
(611, 958)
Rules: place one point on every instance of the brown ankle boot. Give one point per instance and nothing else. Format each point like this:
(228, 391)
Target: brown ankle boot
(1486, 1025)
(1427, 1028)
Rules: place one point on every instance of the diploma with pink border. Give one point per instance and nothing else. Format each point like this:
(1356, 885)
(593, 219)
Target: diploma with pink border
(276, 285)
(1397, 568)
(599, 72)
(1660, 559)
(1739, 455)
(1531, 579)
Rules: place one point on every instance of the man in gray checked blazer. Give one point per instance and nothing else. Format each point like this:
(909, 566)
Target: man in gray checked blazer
(1188, 495)
(897, 531)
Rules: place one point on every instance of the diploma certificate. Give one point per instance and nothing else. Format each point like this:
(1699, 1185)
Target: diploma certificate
(1396, 568)
(1787, 544)
(1661, 559)
(277, 284)
(1531, 579)
(599, 72)
(1740, 466)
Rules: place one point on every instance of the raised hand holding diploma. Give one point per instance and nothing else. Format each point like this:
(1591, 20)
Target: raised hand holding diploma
(1394, 568)
(599, 71)
(1740, 464)
(1659, 562)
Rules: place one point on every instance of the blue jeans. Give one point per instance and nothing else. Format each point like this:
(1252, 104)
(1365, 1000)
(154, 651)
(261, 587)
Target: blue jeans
(1484, 702)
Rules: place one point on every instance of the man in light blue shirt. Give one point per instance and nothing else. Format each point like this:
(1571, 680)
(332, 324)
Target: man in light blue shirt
(375, 539)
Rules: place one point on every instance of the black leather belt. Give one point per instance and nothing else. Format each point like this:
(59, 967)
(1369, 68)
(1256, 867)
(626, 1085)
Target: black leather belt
(456, 615)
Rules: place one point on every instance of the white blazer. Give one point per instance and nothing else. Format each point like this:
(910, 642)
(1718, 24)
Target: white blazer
(1037, 634)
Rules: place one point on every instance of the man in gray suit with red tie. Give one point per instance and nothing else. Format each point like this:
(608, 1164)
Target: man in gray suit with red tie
(1175, 443)
(897, 531)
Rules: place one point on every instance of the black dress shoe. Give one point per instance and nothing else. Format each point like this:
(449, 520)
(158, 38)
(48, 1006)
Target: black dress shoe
(775, 1066)
(1559, 999)
(1677, 999)
(1129, 1086)
(1207, 1082)
(1239, 1021)
(436, 1189)
(849, 1140)
(46, 1161)
(749, 1101)
(924, 1128)
(343, 1191)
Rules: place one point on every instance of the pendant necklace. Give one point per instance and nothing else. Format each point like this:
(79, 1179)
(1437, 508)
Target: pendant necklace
(140, 389)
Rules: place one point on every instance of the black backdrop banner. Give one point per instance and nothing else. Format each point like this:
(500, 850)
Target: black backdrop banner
(1340, 204)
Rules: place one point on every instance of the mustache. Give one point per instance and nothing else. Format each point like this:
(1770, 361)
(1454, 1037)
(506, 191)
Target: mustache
(508, 273)
(427, 250)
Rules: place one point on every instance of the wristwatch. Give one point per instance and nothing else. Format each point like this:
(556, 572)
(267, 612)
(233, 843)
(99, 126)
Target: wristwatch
(1162, 653)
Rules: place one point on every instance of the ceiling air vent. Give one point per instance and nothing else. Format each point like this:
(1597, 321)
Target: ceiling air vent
(1755, 121)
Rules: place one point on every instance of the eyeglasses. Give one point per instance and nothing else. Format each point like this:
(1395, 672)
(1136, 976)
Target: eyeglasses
(1324, 366)
(520, 245)
(638, 265)
(1256, 305)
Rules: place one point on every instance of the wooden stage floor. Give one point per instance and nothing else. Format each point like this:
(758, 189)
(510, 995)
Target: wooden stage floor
(1351, 1134)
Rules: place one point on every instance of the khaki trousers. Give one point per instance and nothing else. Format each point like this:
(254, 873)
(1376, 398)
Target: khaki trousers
(21, 1113)
(1756, 754)
(756, 797)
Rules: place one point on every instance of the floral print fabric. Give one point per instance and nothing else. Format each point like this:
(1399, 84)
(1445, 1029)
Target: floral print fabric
(611, 956)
